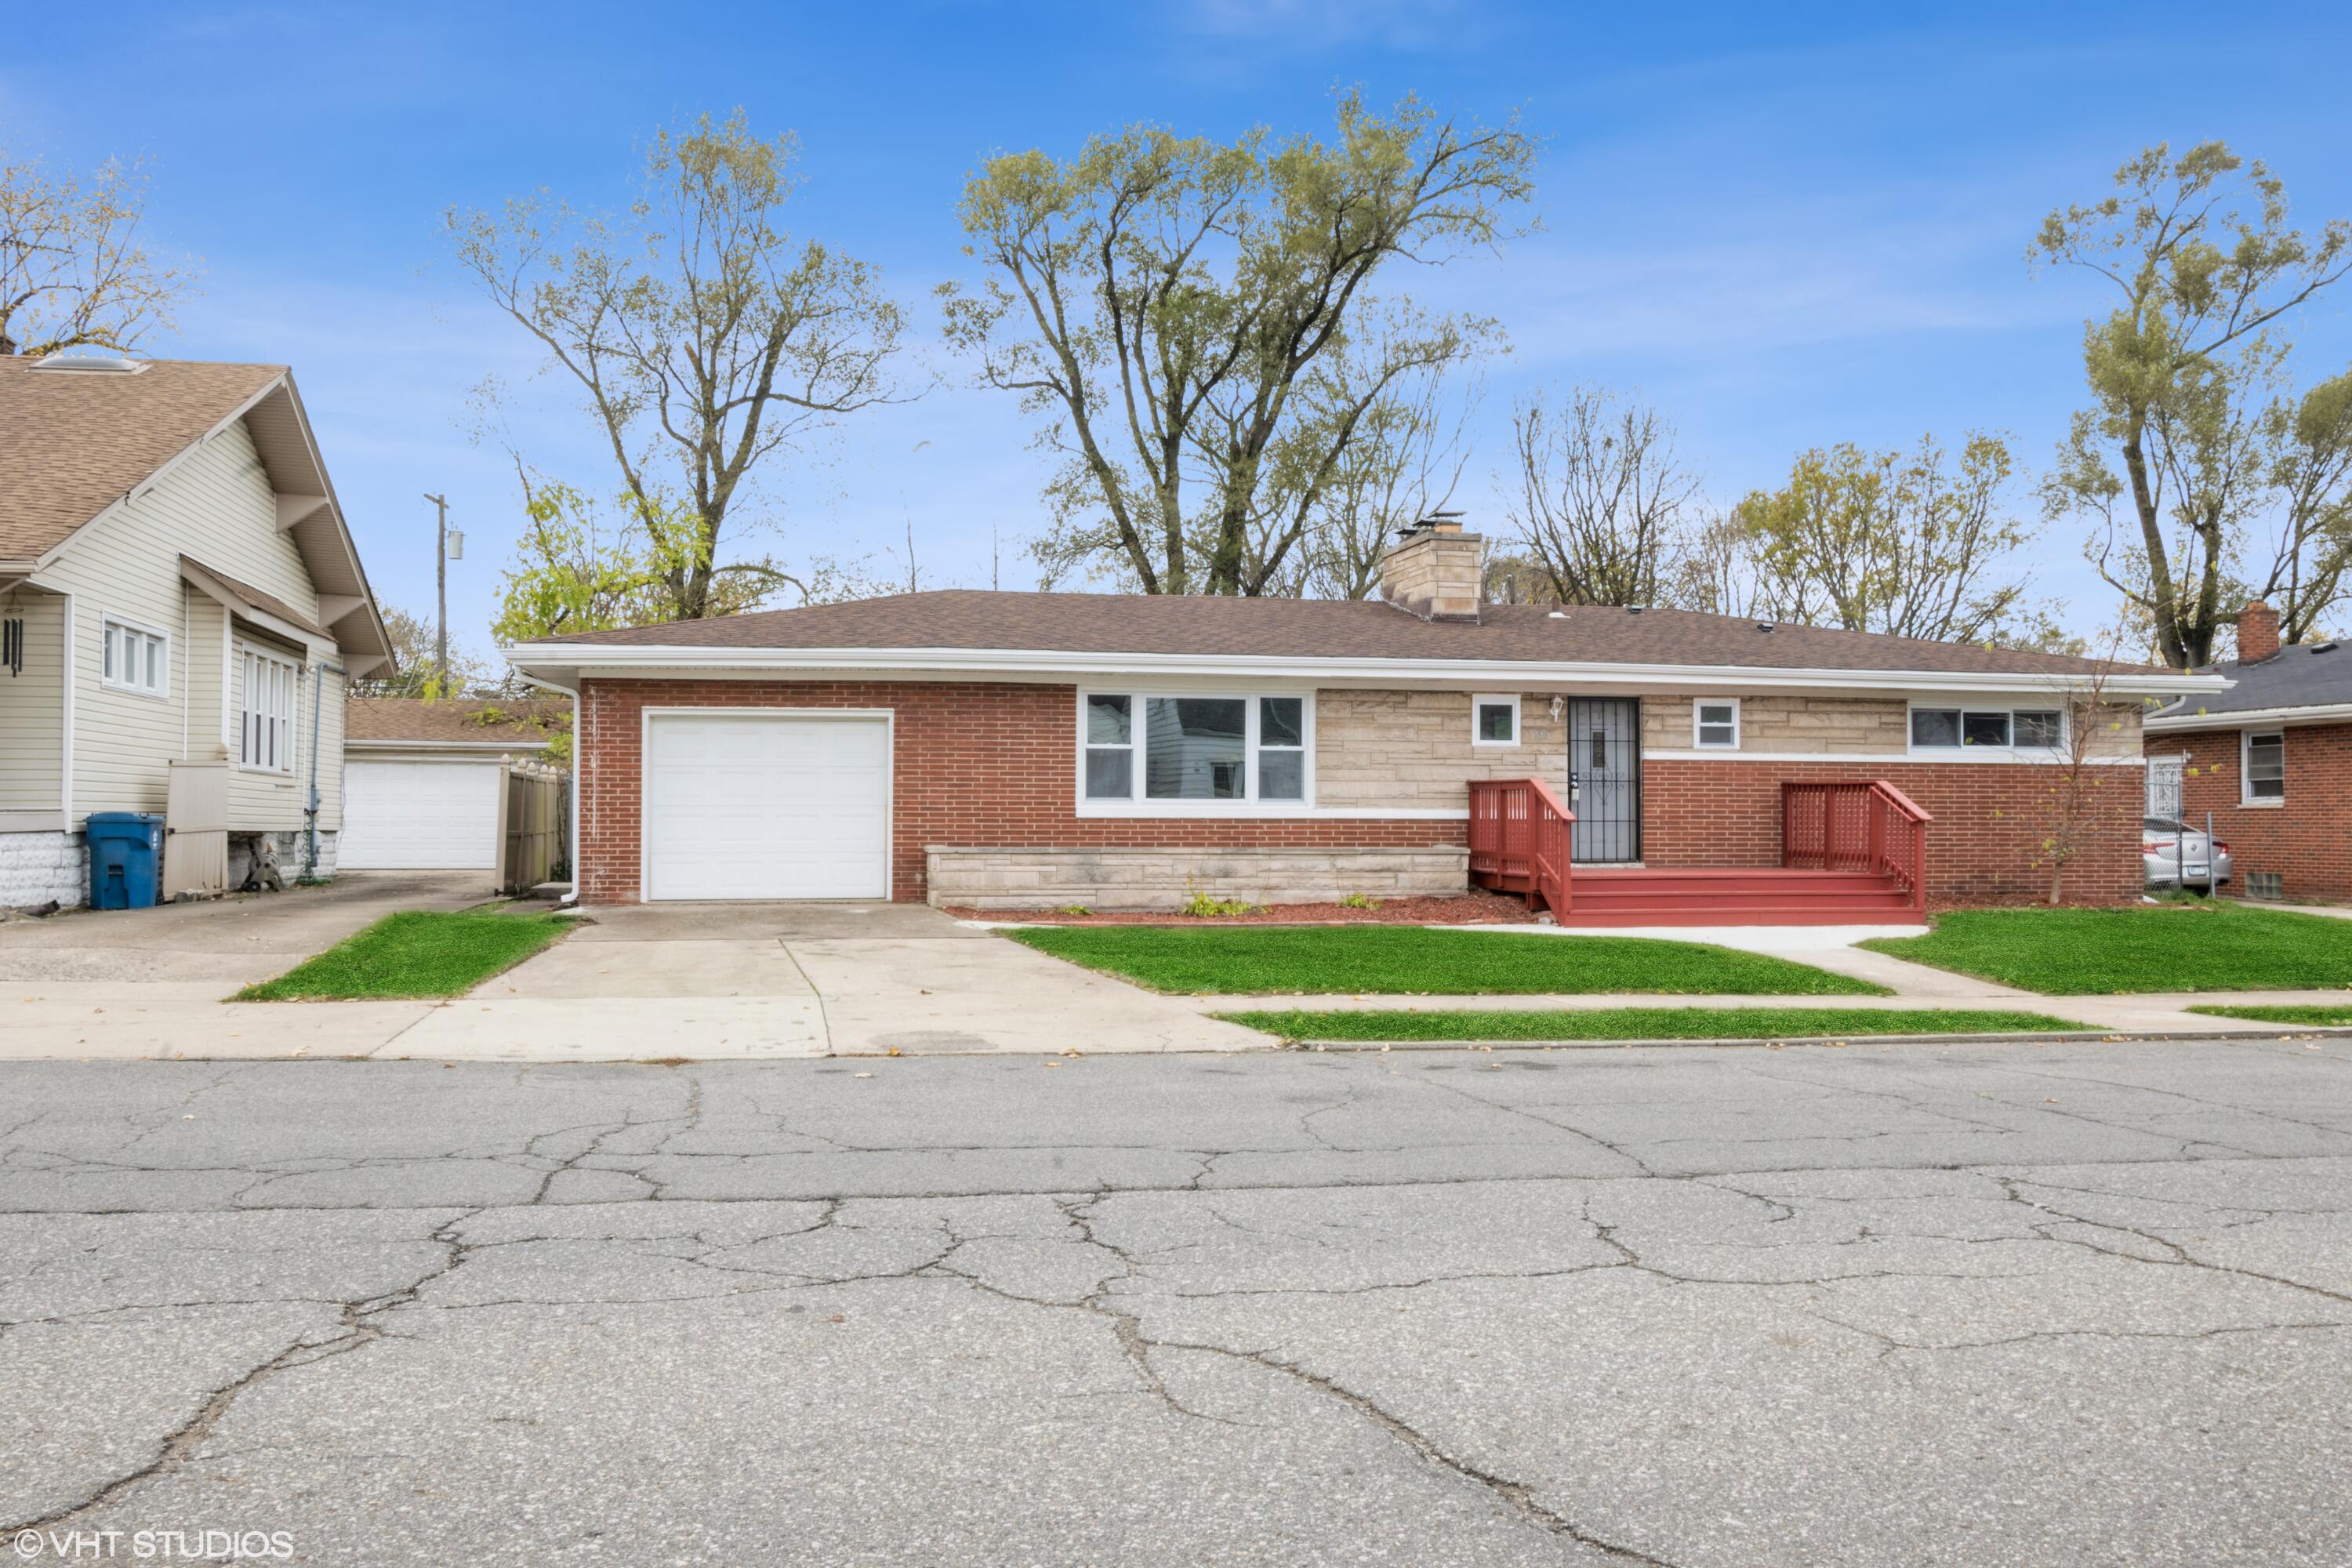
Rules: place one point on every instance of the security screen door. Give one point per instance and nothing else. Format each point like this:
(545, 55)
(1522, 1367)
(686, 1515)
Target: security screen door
(1605, 778)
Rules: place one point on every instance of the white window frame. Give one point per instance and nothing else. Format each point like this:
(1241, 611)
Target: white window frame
(1699, 742)
(109, 624)
(2246, 795)
(259, 732)
(1485, 700)
(1963, 751)
(1138, 804)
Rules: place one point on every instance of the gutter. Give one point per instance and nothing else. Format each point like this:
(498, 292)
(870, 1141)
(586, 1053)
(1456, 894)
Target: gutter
(579, 761)
(2308, 713)
(574, 658)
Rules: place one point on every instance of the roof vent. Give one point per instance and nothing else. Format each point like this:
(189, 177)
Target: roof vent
(1556, 615)
(90, 364)
(1635, 609)
(2328, 646)
(1763, 625)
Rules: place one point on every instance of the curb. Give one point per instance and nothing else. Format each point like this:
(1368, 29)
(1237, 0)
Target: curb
(2047, 1037)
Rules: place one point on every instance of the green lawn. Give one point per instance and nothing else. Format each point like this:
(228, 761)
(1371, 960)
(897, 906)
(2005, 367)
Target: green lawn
(414, 954)
(2169, 947)
(2319, 1018)
(1416, 961)
(1645, 1024)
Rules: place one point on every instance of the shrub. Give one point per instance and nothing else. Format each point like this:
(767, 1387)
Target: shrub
(1201, 906)
(1359, 901)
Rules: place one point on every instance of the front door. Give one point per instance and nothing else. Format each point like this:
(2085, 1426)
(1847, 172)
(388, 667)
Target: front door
(1604, 779)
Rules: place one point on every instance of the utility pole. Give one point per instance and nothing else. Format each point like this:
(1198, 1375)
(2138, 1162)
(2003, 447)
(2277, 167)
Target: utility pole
(441, 592)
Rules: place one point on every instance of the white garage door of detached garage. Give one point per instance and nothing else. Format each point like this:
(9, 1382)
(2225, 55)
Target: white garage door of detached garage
(419, 817)
(764, 805)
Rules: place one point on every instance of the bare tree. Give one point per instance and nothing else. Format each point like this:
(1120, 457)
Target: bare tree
(704, 339)
(2083, 800)
(1603, 502)
(2310, 478)
(74, 271)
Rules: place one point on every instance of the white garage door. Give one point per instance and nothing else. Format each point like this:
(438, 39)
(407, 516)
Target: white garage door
(419, 817)
(767, 806)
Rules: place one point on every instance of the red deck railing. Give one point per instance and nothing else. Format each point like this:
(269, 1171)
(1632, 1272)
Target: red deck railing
(1856, 825)
(1518, 840)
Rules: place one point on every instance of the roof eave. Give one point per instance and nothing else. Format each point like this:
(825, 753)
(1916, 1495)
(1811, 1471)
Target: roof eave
(2306, 713)
(635, 658)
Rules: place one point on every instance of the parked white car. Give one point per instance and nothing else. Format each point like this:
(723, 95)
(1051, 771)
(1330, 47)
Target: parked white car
(2176, 854)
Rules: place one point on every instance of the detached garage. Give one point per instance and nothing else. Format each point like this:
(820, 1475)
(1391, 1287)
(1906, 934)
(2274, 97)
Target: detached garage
(763, 804)
(421, 780)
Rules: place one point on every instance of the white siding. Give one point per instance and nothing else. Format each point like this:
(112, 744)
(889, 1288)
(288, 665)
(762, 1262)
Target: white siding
(32, 709)
(261, 800)
(218, 508)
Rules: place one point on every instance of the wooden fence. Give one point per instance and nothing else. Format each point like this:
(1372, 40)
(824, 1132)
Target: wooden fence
(536, 811)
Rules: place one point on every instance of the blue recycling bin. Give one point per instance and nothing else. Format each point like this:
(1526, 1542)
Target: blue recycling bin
(126, 858)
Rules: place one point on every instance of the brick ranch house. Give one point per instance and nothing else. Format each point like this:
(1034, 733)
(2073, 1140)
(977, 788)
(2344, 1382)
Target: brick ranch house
(1023, 750)
(2271, 758)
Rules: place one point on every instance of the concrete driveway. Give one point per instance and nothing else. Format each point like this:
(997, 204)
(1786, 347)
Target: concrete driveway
(212, 949)
(851, 979)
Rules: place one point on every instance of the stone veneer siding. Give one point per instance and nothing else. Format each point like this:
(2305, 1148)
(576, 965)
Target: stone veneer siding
(2308, 840)
(1164, 879)
(986, 777)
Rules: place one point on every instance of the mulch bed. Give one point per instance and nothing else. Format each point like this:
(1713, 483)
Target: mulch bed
(1459, 908)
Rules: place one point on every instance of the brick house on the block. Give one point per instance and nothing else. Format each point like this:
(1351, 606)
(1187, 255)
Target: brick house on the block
(2271, 758)
(1024, 751)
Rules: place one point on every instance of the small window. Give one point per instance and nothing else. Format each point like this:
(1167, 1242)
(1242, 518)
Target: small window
(2042, 728)
(1281, 748)
(1984, 729)
(1717, 725)
(1935, 727)
(1111, 748)
(137, 659)
(266, 740)
(1497, 720)
(2266, 767)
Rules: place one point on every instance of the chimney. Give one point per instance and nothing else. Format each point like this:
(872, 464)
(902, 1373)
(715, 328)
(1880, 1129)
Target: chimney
(1435, 570)
(2257, 633)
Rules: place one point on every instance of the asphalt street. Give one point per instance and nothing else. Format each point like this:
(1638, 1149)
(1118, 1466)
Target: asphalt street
(2076, 1304)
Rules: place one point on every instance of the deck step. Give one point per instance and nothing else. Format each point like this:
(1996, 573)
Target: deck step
(1741, 915)
(1705, 895)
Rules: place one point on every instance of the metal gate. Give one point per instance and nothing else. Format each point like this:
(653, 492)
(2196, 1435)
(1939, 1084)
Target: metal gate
(2164, 787)
(1604, 779)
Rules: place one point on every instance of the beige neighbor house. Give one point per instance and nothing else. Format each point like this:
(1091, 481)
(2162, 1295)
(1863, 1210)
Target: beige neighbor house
(177, 584)
(424, 780)
(1012, 752)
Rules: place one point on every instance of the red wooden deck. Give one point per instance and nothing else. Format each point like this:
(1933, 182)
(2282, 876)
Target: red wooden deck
(1852, 854)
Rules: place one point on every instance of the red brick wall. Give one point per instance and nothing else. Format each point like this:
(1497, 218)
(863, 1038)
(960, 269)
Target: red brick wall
(980, 765)
(2308, 841)
(991, 765)
(1990, 821)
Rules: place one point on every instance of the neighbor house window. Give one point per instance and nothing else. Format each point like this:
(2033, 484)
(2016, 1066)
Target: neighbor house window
(1495, 722)
(2265, 769)
(137, 659)
(266, 738)
(1142, 747)
(1716, 724)
(2030, 729)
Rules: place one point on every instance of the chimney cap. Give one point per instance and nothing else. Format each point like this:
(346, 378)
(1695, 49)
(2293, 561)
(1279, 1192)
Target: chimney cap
(1443, 521)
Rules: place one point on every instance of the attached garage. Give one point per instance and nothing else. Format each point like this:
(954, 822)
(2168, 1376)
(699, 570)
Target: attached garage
(766, 805)
(420, 817)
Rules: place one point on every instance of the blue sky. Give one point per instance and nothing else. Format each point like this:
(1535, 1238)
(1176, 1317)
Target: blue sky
(1786, 227)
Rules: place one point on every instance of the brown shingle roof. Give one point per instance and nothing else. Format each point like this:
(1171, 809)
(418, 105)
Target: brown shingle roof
(1320, 628)
(77, 441)
(525, 722)
(268, 603)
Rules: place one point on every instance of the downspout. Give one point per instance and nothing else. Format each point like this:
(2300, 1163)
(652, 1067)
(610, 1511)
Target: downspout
(572, 854)
(310, 810)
